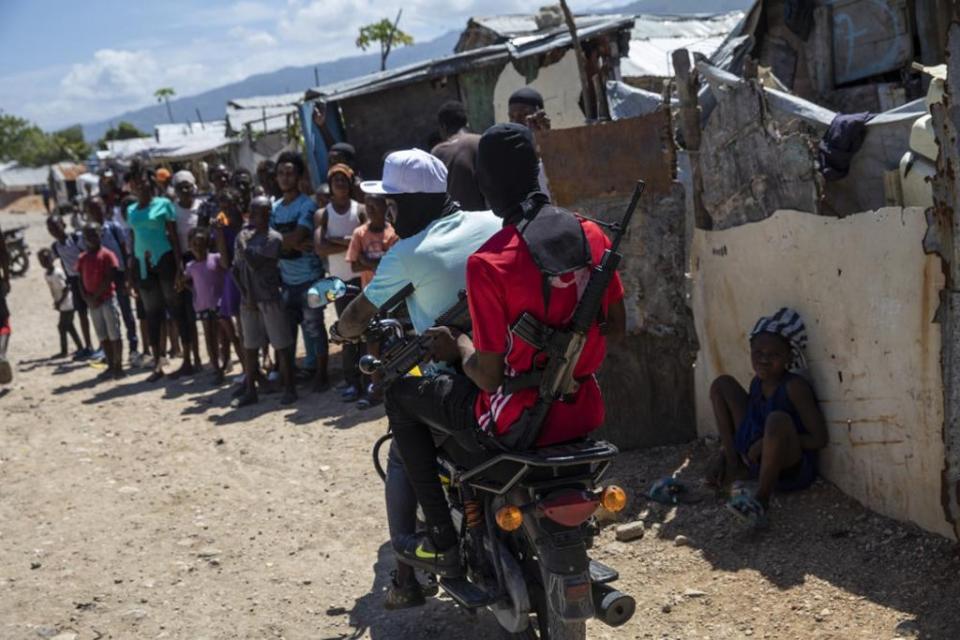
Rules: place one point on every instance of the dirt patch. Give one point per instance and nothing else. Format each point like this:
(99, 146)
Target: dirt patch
(132, 510)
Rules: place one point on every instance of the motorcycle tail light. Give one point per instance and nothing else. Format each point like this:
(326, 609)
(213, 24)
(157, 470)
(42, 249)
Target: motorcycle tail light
(509, 518)
(613, 499)
(570, 508)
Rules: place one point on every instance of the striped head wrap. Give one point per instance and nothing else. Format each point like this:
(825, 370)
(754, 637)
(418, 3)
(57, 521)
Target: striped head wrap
(787, 324)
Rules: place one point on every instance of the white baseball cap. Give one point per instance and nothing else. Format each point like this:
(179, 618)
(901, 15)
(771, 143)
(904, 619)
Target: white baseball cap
(409, 171)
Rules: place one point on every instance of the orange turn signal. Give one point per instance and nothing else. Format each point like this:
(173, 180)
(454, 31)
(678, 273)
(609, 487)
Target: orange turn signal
(509, 518)
(613, 499)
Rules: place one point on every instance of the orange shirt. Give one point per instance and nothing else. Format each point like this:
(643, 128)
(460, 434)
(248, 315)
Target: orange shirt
(371, 245)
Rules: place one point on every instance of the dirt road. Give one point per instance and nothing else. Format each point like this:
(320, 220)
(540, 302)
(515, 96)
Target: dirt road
(130, 510)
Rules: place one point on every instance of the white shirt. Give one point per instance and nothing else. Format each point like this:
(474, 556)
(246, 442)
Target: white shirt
(186, 220)
(341, 226)
(57, 282)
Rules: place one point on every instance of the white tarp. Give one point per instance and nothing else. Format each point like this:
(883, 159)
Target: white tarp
(655, 38)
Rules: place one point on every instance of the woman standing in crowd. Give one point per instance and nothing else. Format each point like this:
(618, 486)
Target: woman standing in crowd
(335, 228)
(156, 250)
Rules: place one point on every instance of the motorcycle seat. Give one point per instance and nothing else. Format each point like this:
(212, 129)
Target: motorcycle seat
(504, 470)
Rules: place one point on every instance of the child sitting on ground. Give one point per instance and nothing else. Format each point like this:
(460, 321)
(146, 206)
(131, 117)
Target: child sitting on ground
(773, 432)
(62, 300)
(369, 242)
(256, 268)
(204, 274)
(97, 268)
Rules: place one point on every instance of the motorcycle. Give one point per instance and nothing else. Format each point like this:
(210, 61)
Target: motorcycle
(16, 244)
(526, 522)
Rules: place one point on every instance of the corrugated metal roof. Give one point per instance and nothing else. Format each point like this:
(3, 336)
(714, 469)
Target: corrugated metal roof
(125, 149)
(256, 102)
(264, 119)
(14, 177)
(518, 48)
(67, 170)
(167, 134)
(655, 38)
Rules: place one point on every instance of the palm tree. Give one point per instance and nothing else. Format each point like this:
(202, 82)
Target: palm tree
(163, 95)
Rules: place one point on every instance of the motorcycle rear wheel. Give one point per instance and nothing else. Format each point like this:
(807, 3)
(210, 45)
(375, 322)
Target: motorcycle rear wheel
(19, 263)
(545, 624)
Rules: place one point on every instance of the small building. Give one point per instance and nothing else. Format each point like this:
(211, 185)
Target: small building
(264, 126)
(395, 109)
(17, 181)
(63, 181)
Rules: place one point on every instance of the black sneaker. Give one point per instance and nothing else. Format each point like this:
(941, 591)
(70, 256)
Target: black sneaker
(422, 554)
(403, 596)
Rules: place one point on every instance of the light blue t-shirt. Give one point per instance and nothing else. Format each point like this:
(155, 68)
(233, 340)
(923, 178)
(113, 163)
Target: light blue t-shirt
(149, 226)
(296, 267)
(435, 262)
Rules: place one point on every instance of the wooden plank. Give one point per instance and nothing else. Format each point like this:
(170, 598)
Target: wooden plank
(606, 159)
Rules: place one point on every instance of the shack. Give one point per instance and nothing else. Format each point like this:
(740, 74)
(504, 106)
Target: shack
(480, 74)
(264, 127)
(778, 218)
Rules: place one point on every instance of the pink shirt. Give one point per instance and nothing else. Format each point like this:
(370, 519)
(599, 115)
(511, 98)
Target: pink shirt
(207, 277)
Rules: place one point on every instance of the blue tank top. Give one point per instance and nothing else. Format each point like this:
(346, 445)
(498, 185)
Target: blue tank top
(759, 409)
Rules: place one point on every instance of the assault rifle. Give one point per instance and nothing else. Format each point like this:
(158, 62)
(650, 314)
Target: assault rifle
(404, 353)
(563, 346)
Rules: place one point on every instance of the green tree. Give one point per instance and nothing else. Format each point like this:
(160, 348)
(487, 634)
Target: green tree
(123, 131)
(385, 33)
(28, 145)
(163, 94)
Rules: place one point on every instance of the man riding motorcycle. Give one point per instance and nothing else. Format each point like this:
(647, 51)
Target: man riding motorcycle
(436, 238)
(537, 265)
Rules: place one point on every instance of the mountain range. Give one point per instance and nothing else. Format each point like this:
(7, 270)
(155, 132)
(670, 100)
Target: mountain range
(211, 103)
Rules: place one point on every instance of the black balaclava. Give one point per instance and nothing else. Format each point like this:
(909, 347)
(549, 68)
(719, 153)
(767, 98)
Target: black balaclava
(416, 210)
(508, 171)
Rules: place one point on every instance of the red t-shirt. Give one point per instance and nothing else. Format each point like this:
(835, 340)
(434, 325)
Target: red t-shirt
(502, 283)
(94, 267)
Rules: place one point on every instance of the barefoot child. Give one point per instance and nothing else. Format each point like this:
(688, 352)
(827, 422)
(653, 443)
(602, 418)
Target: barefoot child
(62, 300)
(205, 276)
(773, 432)
(97, 268)
(256, 267)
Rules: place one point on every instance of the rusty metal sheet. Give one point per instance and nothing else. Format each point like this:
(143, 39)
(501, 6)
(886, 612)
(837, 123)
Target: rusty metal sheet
(607, 159)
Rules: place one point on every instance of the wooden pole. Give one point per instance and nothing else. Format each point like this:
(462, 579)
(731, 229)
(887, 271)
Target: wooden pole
(687, 86)
(589, 102)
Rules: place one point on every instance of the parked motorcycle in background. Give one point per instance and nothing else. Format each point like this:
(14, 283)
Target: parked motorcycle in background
(17, 248)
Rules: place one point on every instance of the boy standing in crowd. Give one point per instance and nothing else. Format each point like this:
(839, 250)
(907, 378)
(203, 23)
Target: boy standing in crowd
(97, 267)
(114, 237)
(263, 316)
(68, 247)
(62, 300)
(300, 267)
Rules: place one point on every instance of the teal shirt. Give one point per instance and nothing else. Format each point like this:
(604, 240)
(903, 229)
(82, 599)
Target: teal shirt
(435, 262)
(149, 226)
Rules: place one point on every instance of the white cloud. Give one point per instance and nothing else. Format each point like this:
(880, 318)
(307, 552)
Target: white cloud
(261, 37)
(252, 37)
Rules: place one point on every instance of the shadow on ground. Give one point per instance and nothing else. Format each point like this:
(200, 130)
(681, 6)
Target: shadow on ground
(819, 532)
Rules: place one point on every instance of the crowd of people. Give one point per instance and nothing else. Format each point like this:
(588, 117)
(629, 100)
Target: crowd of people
(156, 259)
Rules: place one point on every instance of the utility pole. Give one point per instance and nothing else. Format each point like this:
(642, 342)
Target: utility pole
(385, 49)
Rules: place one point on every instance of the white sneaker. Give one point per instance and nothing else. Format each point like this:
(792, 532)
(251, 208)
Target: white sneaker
(136, 359)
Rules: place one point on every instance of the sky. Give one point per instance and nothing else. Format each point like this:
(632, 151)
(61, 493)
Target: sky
(64, 62)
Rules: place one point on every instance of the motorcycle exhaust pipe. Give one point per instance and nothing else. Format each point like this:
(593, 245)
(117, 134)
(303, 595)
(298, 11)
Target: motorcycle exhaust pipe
(612, 607)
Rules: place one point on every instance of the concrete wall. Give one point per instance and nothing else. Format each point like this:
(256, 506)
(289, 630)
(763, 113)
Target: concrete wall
(558, 83)
(868, 295)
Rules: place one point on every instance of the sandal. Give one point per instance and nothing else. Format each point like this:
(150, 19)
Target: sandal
(748, 510)
(669, 490)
